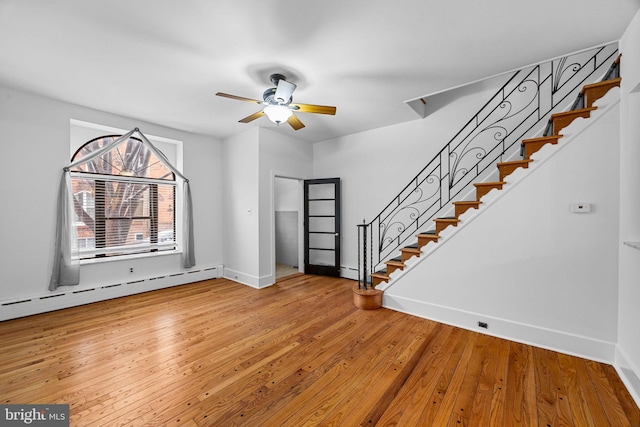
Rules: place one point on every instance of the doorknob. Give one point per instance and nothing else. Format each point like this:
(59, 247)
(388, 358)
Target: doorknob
(337, 234)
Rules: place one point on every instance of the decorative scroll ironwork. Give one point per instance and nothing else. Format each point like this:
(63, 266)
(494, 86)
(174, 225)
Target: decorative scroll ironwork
(516, 111)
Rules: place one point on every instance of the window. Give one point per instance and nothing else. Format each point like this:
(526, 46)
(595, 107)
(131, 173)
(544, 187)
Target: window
(123, 200)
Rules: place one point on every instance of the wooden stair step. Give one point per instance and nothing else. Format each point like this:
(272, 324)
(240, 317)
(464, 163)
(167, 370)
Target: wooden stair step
(379, 277)
(564, 119)
(424, 238)
(409, 251)
(462, 207)
(530, 146)
(482, 188)
(594, 91)
(394, 264)
(507, 168)
(442, 223)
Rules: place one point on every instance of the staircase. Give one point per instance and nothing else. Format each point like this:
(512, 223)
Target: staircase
(582, 107)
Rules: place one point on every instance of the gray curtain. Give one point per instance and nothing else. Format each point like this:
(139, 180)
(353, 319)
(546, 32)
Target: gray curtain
(66, 262)
(66, 268)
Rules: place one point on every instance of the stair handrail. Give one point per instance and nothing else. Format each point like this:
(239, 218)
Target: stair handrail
(519, 107)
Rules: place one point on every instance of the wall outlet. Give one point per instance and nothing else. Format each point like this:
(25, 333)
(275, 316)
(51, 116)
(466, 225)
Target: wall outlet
(130, 270)
(483, 325)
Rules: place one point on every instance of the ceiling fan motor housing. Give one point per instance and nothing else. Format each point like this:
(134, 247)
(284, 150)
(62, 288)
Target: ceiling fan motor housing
(276, 77)
(268, 96)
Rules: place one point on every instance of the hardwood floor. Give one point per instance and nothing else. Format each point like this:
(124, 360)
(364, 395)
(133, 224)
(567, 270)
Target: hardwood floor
(297, 353)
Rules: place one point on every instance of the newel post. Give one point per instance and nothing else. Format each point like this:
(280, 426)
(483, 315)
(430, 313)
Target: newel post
(365, 297)
(362, 249)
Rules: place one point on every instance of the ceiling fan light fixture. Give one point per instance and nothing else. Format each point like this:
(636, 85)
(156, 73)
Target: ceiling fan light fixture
(277, 104)
(278, 113)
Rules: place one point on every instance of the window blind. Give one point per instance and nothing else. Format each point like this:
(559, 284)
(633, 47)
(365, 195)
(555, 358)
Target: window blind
(122, 215)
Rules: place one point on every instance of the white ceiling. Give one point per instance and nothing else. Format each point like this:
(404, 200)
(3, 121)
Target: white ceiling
(162, 61)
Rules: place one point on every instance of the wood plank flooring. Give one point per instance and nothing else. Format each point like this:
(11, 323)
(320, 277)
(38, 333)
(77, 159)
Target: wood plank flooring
(298, 353)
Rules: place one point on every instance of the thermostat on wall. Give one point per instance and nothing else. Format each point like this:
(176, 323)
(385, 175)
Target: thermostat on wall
(580, 207)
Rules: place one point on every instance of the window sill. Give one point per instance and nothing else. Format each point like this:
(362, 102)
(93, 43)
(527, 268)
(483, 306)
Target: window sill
(128, 257)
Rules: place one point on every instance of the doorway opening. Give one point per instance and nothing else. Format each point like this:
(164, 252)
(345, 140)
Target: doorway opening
(288, 214)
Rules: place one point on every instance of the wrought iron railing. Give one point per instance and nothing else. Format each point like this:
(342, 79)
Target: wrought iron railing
(519, 109)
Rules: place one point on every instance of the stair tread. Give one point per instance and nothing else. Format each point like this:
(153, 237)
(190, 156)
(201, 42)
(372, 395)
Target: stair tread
(541, 139)
(467, 202)
(411, 248)
(609, 82)
(478, 184)
(430, 232)
(447, 218)
(573, 112)
(380, 275)
(429, 235)
(393, 262)
(515, 162)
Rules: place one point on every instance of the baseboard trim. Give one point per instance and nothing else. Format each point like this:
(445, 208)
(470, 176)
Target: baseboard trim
(242, 278)
(349, 272)
(71, 296)
(572, 344)
(628, 374)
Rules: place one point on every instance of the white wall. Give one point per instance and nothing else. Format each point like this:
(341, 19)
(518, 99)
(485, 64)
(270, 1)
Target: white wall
(35, 134)
(241, 209)
(526, 265)
(286, 197)
(283, 156)
(628, 349)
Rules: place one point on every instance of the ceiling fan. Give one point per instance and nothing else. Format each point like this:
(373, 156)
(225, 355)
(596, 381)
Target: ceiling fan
(279, 106)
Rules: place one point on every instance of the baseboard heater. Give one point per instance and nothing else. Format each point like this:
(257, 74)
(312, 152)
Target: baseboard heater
(21, 307)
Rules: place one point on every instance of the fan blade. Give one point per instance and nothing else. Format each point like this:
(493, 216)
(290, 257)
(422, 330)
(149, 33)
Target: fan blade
(239, 98)
(295, 123)
(317, 109)
(252, 117)
(284, 91)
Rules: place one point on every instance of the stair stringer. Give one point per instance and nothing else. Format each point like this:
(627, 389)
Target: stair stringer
(415, 291)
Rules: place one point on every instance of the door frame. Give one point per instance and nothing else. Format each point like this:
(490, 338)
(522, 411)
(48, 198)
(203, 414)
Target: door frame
(300, 191)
